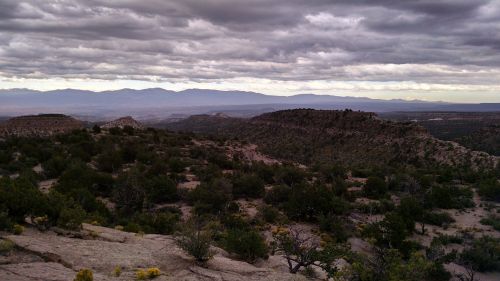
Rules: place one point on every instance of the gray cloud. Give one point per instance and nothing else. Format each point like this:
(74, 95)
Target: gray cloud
(448, 41)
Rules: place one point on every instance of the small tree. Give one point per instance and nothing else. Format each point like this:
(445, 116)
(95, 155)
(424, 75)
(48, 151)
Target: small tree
(196, 241)
(302, 251)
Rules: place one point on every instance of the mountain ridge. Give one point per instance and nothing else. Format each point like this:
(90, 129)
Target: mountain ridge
(161, 103)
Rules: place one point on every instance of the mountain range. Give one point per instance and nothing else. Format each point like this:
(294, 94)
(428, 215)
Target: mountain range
(157, 103)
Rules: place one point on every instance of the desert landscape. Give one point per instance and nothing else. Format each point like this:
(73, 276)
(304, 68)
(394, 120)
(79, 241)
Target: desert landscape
(235, 140)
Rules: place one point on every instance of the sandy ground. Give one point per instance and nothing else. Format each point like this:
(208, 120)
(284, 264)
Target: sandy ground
(46, 185)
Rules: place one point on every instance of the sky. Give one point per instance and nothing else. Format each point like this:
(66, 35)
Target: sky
(410, 49)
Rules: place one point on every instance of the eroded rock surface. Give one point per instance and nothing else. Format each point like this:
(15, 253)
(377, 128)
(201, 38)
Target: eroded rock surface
(105, 249)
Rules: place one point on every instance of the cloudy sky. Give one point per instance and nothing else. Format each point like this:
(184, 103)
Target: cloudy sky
(411, 49)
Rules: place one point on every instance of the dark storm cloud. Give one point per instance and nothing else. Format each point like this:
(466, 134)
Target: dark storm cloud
(298, 40)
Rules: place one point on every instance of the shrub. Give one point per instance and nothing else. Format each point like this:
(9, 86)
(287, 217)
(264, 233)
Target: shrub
(153, 272)
(375, 188)
(6, 246)
(162, 223)
(211, 198)
(248, 186)
(176, 165)
(84, 275)
(492, 220)
(483, 255)
(390, 233)
(141, 274)
(450, 197)
(439, 219)
(307, 202)
(248, 245)
(161, 189)
(117, 271)
(96, 129)
(18, 229)
(196, 242)
(5, 221)
(445, 239)
(270, 214)
(489, 189)
(71, 218)
(278, 194)
(334, 226)
(54, 167)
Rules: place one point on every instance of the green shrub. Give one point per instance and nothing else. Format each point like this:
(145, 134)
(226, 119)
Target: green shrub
(483, 255)
(162, 223)
(489, 189)
(492, 220)
(161, 189)
(176, 165)
(71, 218)
(18, 229)
(6, 246)
(250, 186)
(375, 188)
(211, 198)
(5, 221)
(449, 197)
(278, 194)
(270, 214)
(335, 226)
(439, 219)
(248, 245)
(195, 242)
(445, 239)
(307, 202)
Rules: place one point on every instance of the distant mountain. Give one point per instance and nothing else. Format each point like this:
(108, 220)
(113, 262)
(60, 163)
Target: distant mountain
(352, 138)
(159, 103)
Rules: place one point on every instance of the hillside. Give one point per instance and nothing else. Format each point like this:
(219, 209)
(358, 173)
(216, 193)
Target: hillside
(123, 122)
(347, 137)
(485, 139)
(39, 125)
(192, 207)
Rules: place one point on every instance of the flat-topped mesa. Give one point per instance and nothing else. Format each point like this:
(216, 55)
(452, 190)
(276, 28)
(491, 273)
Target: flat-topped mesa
(40, 125)
(123, 122)
(351, 138)
(335, 120)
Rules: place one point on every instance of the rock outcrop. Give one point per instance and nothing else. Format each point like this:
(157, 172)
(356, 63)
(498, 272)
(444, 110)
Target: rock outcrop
(39, 125)
(103, 249)
(123, 122)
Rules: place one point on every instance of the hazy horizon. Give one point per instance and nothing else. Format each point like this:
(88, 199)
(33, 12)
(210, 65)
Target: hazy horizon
(424, 50)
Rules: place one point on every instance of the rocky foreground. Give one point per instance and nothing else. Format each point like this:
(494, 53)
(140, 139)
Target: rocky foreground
(48, 256)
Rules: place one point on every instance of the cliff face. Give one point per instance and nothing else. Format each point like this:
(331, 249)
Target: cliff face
(123, 122)
(39, 125)
(352, 138)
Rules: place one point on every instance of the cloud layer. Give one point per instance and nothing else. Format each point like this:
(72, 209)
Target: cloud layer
(446, 42)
